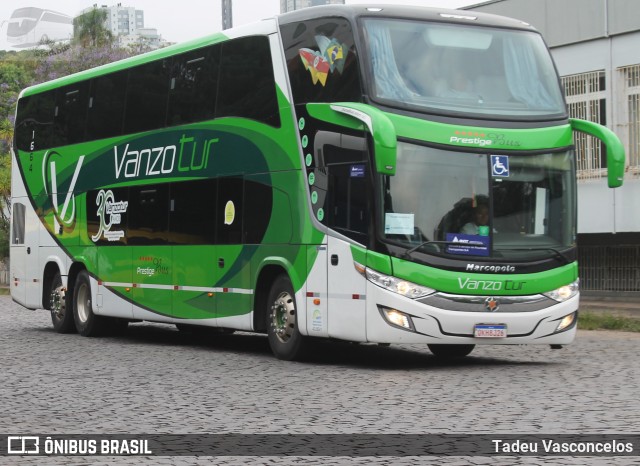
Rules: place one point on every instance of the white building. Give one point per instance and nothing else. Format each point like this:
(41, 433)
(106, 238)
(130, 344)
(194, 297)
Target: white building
(123, 20)
(141, 37)
(595, 44)
(126, 24)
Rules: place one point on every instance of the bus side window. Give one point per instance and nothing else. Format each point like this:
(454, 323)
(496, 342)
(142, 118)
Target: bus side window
(193, 86)
(247, 86)
(107, 226)
(192, 212)
(328, 39)
(148, 214)
(71, 114)
(147, 94)
(18, 223)
(347, 208)
(34, 122)
(258, 206)
(106, 105)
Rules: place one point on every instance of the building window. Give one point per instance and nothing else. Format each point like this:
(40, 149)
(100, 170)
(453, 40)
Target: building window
(631, 93)
(586, 100)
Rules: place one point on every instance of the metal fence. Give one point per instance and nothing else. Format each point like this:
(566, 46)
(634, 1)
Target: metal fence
(614, 268)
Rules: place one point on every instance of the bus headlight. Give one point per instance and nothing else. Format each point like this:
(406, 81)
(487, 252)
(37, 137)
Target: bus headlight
(397, 318)
(566, 322)
(564, 292)
(402, 287)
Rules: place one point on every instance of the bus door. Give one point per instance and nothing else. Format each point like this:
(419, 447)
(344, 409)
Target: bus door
(343, 175)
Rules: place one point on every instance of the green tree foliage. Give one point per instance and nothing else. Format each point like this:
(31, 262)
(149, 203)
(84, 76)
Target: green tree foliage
(89, 29)
(5, 203)
(74, 59)
(14, 76)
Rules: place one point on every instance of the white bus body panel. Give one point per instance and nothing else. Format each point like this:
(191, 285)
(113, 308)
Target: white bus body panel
(315, 295)
(435, 325)
(347, 293)
(109, 303)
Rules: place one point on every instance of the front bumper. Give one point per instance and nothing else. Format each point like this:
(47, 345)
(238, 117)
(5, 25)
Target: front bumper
(455, 326)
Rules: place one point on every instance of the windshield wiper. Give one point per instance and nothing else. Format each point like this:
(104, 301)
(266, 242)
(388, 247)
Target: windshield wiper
(408, 252)
(557, 254)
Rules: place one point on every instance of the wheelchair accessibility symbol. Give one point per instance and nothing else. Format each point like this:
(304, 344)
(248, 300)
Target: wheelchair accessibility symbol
(500, 165)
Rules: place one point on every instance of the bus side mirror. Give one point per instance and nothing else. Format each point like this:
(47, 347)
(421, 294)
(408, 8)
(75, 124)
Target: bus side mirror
(615, 149)
(353, 115)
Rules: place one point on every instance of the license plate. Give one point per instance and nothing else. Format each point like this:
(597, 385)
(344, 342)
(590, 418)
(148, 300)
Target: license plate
(490, 331)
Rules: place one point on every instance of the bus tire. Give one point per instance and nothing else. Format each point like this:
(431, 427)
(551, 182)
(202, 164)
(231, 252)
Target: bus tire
(285, 339)
(87, 323)
(451, 351)
(61, 314)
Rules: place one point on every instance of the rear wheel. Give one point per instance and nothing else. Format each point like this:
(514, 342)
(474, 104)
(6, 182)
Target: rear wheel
(285, 338)
(87, 323)
(61, 314)
(451, 351)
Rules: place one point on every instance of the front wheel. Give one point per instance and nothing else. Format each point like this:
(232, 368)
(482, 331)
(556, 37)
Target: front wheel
(451, 351)
(285, 339)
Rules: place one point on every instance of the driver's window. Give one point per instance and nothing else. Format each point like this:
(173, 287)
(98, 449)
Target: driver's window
(343, 173)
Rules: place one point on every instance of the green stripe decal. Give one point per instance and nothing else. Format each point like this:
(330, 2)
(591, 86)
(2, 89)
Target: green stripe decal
(485, 284)
(483, 137)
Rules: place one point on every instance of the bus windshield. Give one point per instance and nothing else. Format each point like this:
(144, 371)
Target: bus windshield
(446, 68)
(465, 204)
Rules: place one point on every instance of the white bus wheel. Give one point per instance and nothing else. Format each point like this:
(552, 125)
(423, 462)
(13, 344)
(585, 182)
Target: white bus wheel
(285, 338)
(87, 323)
(61, 315)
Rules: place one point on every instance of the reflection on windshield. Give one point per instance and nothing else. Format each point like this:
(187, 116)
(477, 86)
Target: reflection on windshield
(463, 204)
(463, 69)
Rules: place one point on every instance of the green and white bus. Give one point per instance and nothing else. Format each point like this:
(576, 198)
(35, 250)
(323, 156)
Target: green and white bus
(369, 174)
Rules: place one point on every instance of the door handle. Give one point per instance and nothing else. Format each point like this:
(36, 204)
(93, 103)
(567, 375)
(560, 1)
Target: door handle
(221, 262)
(334, 259)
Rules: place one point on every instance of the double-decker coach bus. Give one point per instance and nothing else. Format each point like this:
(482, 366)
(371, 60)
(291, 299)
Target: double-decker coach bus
(370, 174)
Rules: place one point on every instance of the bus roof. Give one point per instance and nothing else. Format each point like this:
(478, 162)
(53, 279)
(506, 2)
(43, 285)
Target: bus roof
(405, 12)
(261, 27)
(348, 11)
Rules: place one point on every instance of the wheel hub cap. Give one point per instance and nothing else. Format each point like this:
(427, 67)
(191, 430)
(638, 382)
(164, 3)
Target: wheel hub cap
(57, 302)
(283, 317)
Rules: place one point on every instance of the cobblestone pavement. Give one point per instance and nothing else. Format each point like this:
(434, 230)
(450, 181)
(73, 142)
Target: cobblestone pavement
(156, 380)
